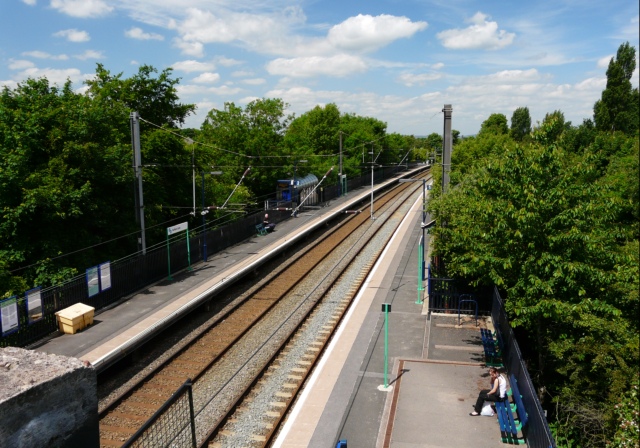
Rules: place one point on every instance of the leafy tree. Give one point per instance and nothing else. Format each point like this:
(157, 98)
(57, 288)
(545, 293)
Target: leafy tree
(495, 124)
(520, 123)
(253, 136)
(154, 98)
(619, 106)
(315, 132)
(542, 226)
(455, 137)
(65, 166)
(361, 135)
(554, 126)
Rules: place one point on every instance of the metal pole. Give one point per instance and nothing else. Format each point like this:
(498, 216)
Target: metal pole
(236, 187)
(340, 168)
(424, 219)
(204, 225)
(420, 274)
(193, 179)
(137, 160)
(169, 256)
(446, 149)
(188, 250)
(386, 307)
(372, 181)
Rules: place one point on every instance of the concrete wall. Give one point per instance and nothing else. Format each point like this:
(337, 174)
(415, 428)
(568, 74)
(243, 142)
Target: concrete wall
(46, 401)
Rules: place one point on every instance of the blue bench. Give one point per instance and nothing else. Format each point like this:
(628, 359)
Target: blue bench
(492, 351)
(261, 230)
(510, 424)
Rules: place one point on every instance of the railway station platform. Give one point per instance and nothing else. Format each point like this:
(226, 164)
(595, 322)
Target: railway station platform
(435, 370)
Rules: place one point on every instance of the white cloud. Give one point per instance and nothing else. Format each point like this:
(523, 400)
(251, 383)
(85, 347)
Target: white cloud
(275, 33)
(189, 48)
(20, 64)
(365, 33)
(482, 34)
(225, 90)
(254, 81)
(411, 79)
(45, 55)
(338, 66)
(207, 78)
(137, 33)
(592, 84)
(604, 62)
(190, 66)
(198, 91)
(54, 76)
(513, 76)
(89, 54)
(10, 84)
(29, 2)
(82, 8)
(437, 66)
(630, 31)
(227, 62)
(226, 26)
(73, 35)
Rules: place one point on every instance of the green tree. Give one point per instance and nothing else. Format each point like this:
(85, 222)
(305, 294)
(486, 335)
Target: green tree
(65, 166)
(253, 136)
(154, 98)
(495, 124)
(619, 106)
(544, 228)
(520, 123)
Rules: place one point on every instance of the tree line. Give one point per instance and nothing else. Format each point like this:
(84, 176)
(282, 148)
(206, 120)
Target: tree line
(67, 179)
(550, 214)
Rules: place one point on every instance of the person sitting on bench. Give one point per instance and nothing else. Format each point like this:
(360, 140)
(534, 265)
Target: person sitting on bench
(498, 392)
(267, 225)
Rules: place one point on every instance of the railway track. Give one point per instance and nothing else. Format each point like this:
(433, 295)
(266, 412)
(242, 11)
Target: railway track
(214, 349)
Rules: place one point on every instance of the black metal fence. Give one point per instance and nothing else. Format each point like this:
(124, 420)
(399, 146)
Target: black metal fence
(450, 296)
(537, 432)
(132, 274)
(172, 425)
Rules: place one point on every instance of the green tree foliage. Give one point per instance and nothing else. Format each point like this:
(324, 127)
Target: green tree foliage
(520, 124)
(154, 98)
(495, 124)
(619, 107)
(557, 231)
(253, 136)
(64, 167)
(361, 135)
(315, 132)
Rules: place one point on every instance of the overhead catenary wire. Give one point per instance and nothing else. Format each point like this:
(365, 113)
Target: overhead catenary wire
(177, 134)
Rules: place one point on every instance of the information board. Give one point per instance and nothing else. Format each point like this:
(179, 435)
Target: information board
(9, 315)
(34, 305)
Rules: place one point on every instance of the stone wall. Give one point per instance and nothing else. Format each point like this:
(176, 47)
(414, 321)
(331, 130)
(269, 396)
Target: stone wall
(47, 401)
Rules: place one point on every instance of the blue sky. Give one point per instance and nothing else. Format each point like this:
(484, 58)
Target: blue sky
(398, 61)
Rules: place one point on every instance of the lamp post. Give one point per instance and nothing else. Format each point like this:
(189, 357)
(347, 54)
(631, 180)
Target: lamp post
(203, 213)
(424, 218)
(373, 163)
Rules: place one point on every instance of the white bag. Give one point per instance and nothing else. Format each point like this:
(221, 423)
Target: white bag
(486, 410)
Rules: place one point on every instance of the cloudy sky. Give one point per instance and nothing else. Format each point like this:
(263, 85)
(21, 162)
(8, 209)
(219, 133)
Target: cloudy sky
(398, 61)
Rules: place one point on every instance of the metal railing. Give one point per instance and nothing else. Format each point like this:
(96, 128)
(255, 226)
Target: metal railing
(537, 432)
(449, 296)
(173, 425)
